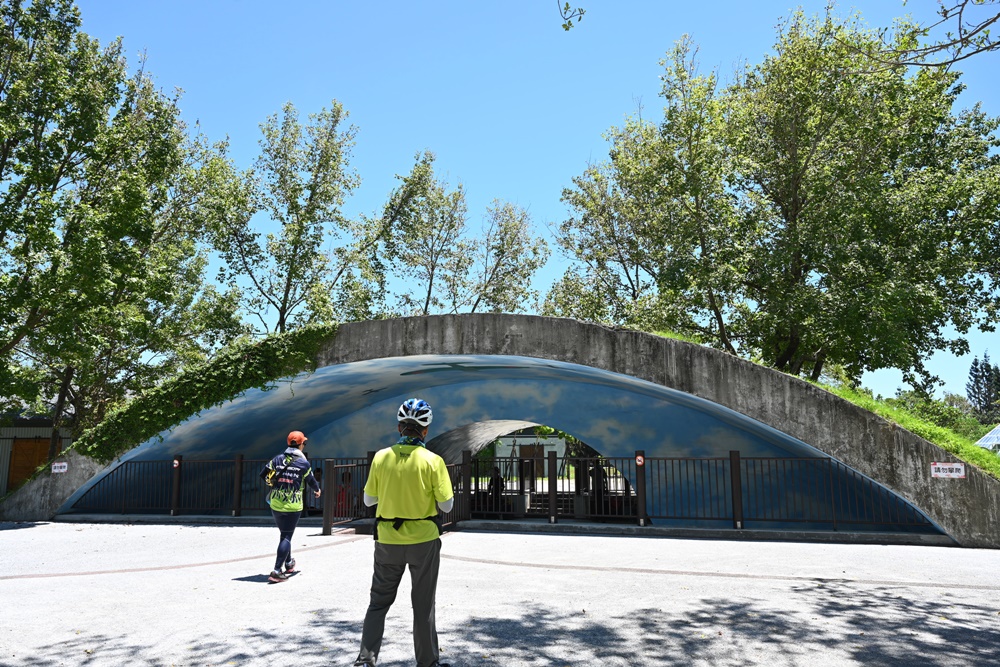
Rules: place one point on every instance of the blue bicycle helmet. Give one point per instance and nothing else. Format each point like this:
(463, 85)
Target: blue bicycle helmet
(416, 411)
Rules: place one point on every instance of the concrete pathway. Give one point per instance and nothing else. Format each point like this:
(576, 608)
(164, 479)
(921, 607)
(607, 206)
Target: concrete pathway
(120, 594)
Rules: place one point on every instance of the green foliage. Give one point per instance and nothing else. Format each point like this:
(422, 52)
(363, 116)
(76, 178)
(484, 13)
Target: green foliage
(300, 181)
(960, 30)
(447, 269)
(102, 221)
(983, 389)
(961, 446)
(433, 256)
(941, 413)
(814, 212)
(505, 259)
(570, 14)
(242, 366)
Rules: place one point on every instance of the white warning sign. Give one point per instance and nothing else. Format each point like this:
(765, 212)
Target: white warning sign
(949, 470)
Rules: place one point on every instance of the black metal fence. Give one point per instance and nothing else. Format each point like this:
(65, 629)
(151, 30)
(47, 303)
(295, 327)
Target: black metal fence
(764, 492)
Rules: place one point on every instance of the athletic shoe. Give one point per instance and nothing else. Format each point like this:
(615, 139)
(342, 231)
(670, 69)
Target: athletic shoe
(277, 577)
(290, 566)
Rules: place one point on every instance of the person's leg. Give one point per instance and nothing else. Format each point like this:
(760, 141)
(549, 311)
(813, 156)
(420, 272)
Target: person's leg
(286, 522)
(292, 522)
(389, 566)
(424, 561)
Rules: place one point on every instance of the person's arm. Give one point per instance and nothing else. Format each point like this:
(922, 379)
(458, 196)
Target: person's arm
(443, 492)
(313, 482)
(371, 490)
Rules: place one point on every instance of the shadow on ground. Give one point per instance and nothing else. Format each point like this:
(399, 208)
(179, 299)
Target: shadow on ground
(879, 626)
(17, 525)
(822, 623)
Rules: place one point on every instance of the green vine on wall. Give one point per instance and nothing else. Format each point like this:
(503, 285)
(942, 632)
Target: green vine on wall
(249, 365)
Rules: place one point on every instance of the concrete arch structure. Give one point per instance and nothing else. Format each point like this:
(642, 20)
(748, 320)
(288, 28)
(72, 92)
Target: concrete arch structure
(967, 509)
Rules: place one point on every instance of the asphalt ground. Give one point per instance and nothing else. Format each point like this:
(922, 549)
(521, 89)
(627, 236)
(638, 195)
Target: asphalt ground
(138, 594)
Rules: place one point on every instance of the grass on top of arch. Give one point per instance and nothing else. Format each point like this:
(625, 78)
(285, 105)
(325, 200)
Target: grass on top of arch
(962, 447)
(954, 443)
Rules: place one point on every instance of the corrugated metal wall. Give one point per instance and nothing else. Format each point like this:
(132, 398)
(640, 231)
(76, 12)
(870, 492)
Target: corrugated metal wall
(11, 433)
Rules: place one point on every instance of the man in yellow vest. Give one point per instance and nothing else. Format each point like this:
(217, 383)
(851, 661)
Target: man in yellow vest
(409, 484)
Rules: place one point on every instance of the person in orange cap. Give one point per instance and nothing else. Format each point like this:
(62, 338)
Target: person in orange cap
(287, 474)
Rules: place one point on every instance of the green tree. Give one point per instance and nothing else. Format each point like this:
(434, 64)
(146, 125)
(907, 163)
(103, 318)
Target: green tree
(299, 181)
(873, 203)
(983, 389)
(363, 267)
(811, 213)
(951, 412)
(102, 221)
(579, 296)
(505, 260)
(434, 258)
(616, 210)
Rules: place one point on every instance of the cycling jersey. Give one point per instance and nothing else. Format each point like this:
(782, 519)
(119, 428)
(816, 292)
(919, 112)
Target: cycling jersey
(289, 472)
(408, 481)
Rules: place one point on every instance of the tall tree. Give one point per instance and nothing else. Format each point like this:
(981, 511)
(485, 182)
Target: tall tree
(856, 259)
(615, 206)
(299, 182)
(433, 257)
(983, 389)
(811, 213)
(101, 222)
(505, 260)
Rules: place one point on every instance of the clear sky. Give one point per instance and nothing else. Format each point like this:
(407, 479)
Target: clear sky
(512, 105)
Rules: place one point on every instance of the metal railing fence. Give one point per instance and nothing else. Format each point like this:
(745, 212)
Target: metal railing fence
(764, 492)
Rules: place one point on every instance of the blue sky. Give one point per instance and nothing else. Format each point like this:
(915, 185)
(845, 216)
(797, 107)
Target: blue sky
(512, 105)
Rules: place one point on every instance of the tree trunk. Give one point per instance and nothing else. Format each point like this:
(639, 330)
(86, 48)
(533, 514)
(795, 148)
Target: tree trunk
(818, 367)
(55, 441)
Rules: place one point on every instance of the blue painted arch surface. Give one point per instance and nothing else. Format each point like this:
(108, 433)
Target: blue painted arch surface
(349, 409)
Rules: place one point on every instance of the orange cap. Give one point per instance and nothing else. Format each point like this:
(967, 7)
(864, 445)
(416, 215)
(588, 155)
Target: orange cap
(296, 438)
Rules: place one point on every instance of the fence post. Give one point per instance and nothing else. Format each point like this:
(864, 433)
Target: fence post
(553, 482)
(238, 486)
(329, 479)
(640, 485)
(175, 493)
(833, 500)
(124, 478)
(736, 482)
(466, 511)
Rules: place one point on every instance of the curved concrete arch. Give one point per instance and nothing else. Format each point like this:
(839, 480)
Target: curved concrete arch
(967, 509)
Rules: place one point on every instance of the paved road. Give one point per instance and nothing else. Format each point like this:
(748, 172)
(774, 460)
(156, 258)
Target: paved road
(112, 594)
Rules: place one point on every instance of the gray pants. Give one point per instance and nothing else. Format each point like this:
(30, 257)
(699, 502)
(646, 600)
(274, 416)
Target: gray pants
(424, 560)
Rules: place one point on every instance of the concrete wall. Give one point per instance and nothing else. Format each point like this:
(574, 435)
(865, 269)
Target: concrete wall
(39, 499)
(967, 509)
